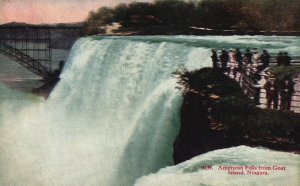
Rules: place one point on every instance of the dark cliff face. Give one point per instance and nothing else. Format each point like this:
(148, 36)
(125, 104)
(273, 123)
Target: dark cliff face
(215, 114)
(195, 136)
(191, 140)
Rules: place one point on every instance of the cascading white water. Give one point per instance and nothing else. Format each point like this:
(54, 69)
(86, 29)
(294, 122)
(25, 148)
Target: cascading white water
(112, 118)
(114, 115)
(277, 169)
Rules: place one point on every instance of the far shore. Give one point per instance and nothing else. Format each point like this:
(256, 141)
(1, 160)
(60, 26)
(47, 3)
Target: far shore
(117, 30)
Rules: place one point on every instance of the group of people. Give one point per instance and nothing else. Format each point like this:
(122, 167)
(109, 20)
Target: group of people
(284, 59)
(285, 89)
(234, 61)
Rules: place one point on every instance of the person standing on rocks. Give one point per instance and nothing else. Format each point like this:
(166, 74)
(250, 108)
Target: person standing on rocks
(239, 58)
(271, 87)
(232, 60)
(286, 59)
(265, 59)
(286, 92)
(214, 59)
(224, 60)
(280, 59)
(248, 56)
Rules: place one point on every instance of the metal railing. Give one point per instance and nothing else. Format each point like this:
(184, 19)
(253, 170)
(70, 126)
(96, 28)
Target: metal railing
(29, 46)
(256, 92)
(24, 59)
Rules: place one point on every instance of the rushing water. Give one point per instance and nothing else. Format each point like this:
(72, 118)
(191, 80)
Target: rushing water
(114, 115)
(252, 166)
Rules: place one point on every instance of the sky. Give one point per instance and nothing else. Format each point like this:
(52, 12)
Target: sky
(50, 11)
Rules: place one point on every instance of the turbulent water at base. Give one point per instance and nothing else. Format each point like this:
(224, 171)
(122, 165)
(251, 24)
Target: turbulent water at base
(283, 169)
(114, 115)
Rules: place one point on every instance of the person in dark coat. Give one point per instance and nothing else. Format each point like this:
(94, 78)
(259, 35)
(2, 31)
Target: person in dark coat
(286, 91)
(214, 59)
(271, 87)
(248, 56)
(239, 58)
(255, 77)
(224, 57)
(286, 59)
(280, 59)
(265, 59)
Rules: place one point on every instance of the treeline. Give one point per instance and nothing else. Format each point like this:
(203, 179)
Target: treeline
(253, 15)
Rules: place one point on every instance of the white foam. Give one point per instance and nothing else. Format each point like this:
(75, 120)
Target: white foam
(112, 118)
(191, 172)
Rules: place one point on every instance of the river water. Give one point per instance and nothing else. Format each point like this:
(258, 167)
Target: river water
(115, 113)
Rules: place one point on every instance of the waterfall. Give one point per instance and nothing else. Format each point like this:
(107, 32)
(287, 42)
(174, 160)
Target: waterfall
(112, 118)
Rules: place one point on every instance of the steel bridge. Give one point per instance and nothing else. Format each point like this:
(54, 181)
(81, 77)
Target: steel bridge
(29, 46)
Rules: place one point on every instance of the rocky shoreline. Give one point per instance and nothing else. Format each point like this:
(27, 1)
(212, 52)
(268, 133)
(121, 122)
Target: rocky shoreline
(216, 115)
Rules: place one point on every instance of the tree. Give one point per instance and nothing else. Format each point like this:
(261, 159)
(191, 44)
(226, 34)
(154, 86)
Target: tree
(96, 21)
(249, 15)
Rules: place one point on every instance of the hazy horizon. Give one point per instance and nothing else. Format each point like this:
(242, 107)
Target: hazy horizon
(51, 11)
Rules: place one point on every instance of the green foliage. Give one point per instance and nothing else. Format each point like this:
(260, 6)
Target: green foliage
(97, 20)
(208, 81)
(174, 12)
(215, 14)
(233, 108)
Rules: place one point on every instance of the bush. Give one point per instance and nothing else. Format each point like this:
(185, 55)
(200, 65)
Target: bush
(233, 109)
